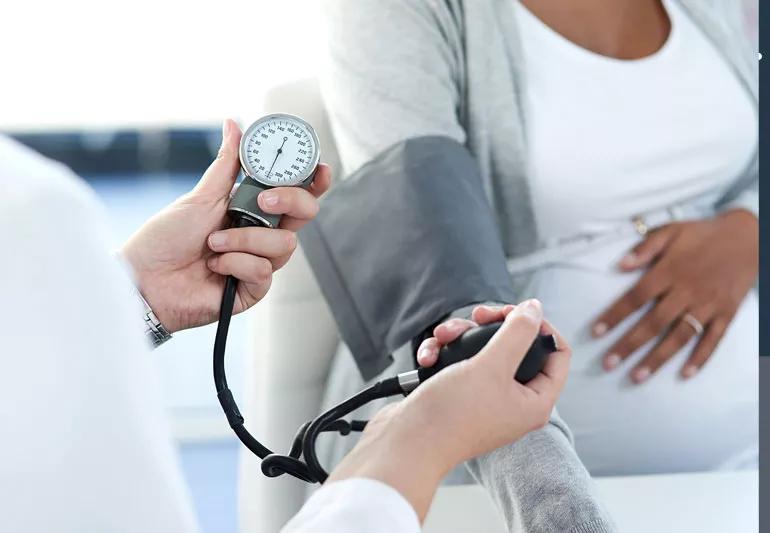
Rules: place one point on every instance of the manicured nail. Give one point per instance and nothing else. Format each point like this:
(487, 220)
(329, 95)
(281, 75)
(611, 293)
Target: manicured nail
(532, 308)
(629, 260)
(269, 198)
(599, 329)
(217, 240)
(641, 374)
(611, 361)
(689, 371)
(424, 354)
(454, 325)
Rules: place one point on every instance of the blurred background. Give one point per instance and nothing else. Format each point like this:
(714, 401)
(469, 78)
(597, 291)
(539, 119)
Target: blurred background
(131, 95)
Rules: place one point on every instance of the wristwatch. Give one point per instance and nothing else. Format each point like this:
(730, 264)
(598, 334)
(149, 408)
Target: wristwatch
(156, 333)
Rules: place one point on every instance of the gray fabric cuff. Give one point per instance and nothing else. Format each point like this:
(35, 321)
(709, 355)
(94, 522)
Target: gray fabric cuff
(405, 241)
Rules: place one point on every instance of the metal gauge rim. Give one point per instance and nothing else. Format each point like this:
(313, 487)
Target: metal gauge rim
(285, 116)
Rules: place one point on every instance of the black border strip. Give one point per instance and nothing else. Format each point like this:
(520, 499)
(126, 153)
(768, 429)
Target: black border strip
(764, 270)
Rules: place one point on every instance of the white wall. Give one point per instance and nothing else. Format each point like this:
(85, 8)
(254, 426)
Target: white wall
(106, 64)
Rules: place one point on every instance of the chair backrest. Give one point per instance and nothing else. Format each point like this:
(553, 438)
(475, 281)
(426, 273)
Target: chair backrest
(294, 339)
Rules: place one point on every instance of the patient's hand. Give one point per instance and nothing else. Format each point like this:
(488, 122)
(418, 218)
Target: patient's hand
(702, 269)
(465, 410)
(181, 256)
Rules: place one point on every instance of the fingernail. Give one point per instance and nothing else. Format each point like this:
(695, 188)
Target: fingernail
(269, 198)
(689, 371)
(599, 329)
(629, 260)
(424, 354)
(454, 325)
(531, 308)
(611, 361)
(226, 127)
(217, 240)
(641, 374)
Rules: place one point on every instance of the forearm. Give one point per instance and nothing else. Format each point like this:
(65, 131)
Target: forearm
(405, 460)
(540, 485)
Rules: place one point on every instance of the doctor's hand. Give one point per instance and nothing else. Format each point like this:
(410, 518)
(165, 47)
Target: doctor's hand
(697, 275)
(465, 410)
(181, 256)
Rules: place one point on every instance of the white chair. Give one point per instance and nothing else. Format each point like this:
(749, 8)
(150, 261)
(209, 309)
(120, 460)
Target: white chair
(293, 348)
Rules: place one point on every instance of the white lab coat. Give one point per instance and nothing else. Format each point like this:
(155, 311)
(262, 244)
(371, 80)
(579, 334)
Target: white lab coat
(85, 445)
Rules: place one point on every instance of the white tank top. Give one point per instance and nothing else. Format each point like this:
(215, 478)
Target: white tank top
(610, 139)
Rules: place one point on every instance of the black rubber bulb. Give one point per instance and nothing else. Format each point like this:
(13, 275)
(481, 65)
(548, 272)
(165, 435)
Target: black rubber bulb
(472, 341)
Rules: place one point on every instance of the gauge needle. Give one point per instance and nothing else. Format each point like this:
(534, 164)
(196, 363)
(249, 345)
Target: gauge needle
(277, 155)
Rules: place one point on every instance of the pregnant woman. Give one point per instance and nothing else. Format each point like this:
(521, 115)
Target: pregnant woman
(617, 141)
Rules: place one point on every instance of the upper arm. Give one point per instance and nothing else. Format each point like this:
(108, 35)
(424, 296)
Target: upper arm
(392, 73)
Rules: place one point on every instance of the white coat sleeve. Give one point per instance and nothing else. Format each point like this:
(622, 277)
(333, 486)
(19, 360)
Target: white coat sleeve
(355, 505)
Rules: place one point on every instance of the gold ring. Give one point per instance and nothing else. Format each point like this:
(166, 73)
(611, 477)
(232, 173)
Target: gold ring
(694, 323)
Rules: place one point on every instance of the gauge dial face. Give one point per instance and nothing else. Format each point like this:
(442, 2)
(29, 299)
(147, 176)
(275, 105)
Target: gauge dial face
(279, 150)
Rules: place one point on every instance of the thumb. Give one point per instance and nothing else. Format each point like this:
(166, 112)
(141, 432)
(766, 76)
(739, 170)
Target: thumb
(219, 178)
(510, 344)
(648, 250)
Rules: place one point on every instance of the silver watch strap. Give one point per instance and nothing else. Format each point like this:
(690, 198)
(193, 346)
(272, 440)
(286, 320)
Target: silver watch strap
(156, 333)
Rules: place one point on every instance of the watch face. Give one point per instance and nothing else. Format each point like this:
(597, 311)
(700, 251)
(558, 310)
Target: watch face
(279, 150)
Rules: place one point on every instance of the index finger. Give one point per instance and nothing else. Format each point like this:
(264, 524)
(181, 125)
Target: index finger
(486, 314)
(450, 330)
(297, 205)
(321, 181)
(444, 333)
(646, 289)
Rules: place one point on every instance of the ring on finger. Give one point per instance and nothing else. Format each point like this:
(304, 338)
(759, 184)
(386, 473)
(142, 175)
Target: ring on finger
(694, 323)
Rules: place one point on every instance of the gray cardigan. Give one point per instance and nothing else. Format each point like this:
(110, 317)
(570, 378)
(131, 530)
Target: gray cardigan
(406, 69)
(400, 69)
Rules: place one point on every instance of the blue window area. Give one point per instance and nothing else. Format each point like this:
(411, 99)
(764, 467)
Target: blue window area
(211, 473)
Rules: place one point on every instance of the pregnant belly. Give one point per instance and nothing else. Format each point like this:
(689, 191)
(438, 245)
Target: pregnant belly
(666, 424)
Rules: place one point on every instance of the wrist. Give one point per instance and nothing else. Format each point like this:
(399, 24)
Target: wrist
(739, 215)
(400, 453)
(154, 329)
(741, 225)
(157, 328)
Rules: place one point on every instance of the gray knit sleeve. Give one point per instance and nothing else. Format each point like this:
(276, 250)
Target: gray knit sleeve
(540, 485)
(538, 482)
(391, 74)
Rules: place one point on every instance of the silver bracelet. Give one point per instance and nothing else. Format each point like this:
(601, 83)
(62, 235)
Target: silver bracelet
(156, 333)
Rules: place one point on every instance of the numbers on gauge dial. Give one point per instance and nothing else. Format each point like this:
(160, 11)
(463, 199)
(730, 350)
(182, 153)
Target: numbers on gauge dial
(280, 152)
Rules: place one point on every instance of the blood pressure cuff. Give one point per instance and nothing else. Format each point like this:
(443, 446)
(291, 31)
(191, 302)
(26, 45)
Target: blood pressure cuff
(406, 240)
